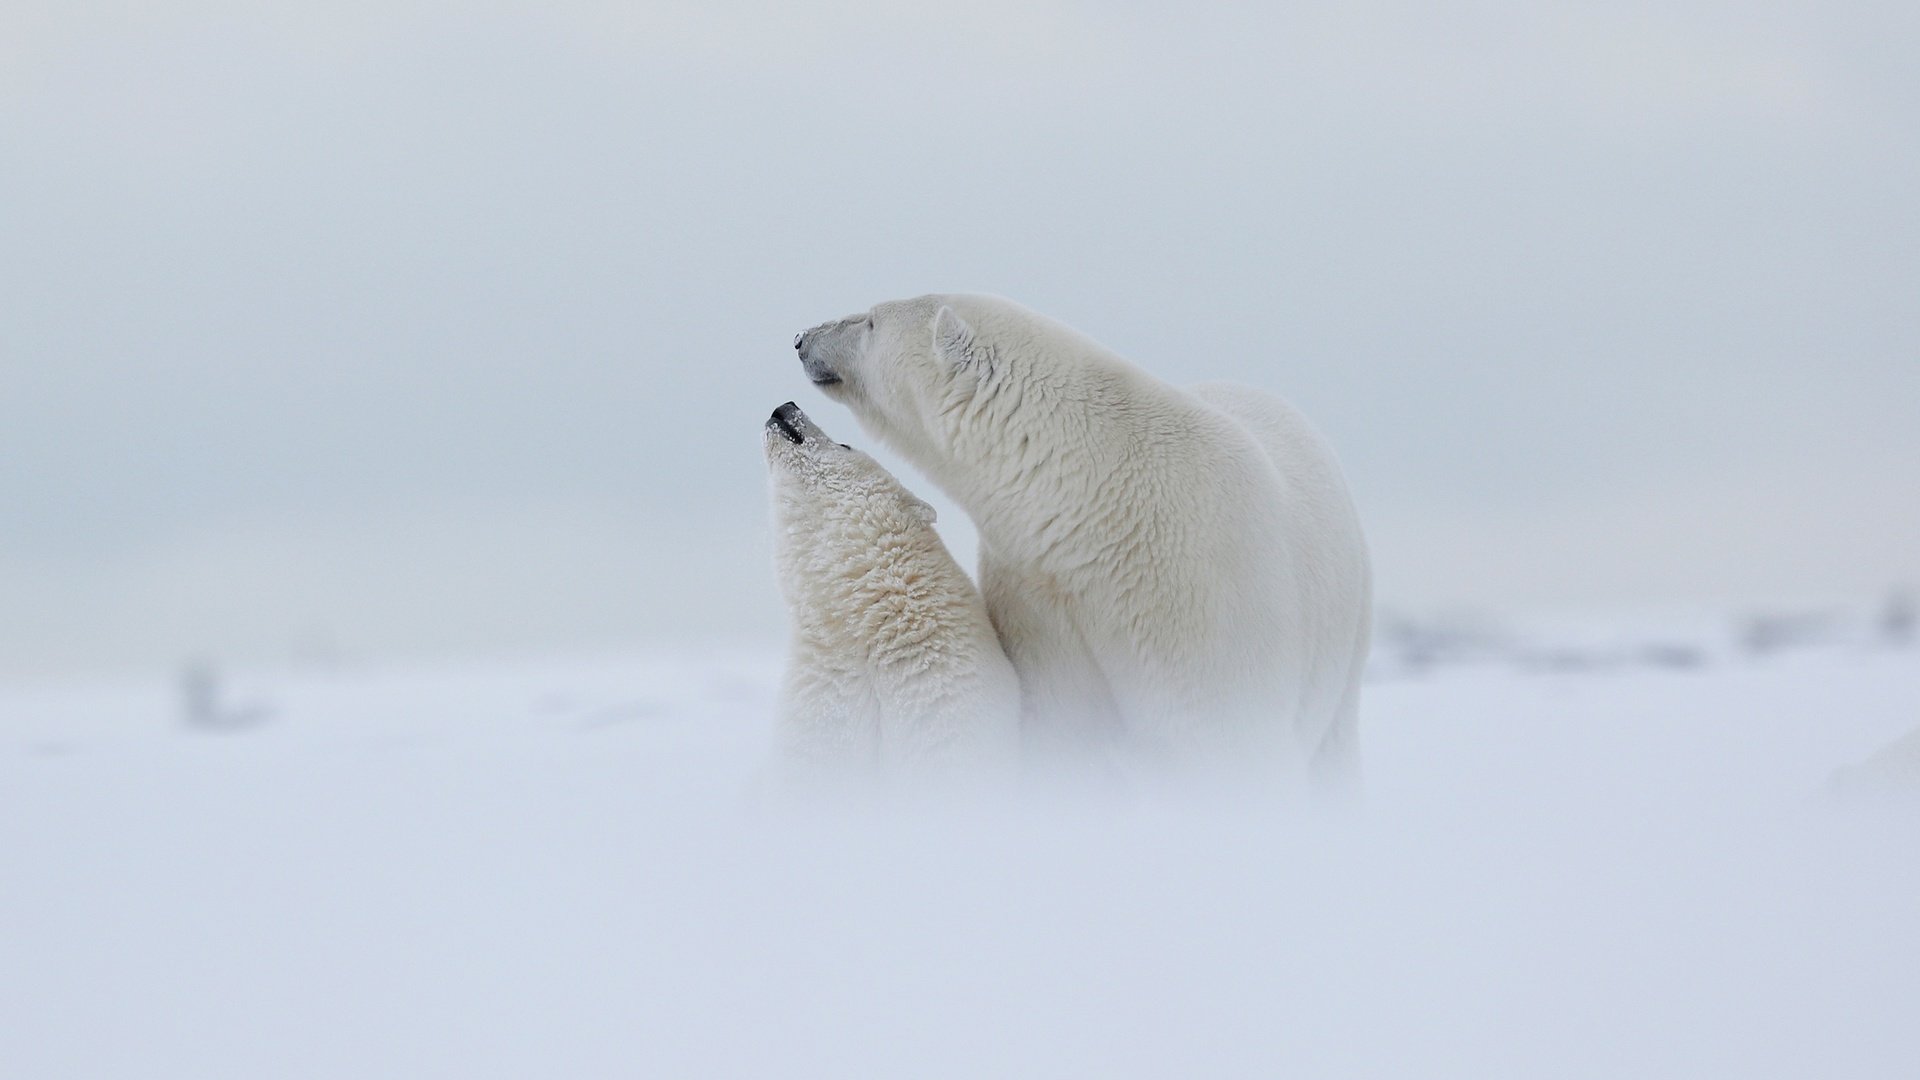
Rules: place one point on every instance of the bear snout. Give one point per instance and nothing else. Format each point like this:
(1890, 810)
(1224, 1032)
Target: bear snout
(819, 372)
(789, 419)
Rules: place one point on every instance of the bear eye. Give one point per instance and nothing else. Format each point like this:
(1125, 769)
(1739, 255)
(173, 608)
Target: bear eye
(869, 320)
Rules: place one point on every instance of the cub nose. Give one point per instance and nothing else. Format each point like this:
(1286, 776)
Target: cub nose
(788, 418)
(800, 344)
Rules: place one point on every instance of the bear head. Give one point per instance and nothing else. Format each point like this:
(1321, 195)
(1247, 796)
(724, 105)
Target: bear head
(908, 368)
(823, 489)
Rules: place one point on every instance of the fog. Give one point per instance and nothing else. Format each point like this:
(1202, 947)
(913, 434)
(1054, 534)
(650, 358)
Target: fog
(356, 331)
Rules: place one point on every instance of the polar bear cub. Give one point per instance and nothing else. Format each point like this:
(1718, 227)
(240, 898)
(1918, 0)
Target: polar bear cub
(894, 667)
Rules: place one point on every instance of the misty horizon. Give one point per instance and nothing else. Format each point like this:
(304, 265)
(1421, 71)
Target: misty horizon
(386, 332)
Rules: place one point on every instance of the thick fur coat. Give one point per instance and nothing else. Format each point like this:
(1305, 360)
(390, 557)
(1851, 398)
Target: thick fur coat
(1176, 572)
(894, 667)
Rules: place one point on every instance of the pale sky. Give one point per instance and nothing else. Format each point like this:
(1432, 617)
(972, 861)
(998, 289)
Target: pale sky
(386, 330)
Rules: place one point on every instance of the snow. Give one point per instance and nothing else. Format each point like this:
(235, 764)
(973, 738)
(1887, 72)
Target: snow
(1624, 867)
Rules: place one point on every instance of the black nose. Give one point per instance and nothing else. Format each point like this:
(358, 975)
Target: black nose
(800, 341)
(787, 418)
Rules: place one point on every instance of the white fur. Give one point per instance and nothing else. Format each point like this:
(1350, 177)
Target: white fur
(1180, 572)
(894, 667)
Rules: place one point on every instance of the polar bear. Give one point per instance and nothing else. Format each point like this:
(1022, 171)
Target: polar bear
(894, 668)
(1177, 573)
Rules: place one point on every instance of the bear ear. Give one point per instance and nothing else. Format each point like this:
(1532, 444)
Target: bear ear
(922, 509)
(952, 337)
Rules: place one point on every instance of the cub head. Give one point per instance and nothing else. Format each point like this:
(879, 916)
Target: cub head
(906, 368)
(822, 489)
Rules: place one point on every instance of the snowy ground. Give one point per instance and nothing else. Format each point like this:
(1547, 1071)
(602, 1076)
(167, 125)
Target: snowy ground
(1575, 859)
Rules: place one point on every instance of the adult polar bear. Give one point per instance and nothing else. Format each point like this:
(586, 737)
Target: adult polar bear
(1179, 572)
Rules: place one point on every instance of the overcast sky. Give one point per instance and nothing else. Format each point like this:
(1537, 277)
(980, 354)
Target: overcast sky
(374, 329)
